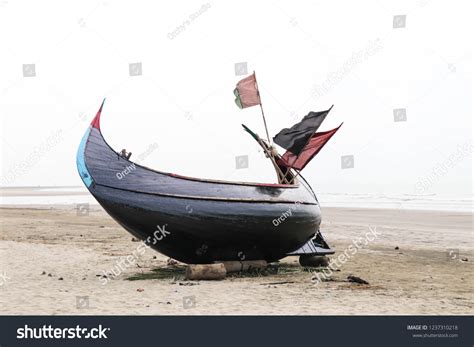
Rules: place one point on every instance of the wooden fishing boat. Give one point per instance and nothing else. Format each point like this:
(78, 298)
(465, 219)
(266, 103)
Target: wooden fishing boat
(199, 220)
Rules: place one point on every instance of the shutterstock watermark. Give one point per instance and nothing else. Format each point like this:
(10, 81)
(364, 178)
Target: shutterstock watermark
(186, 23)
(49, 332)
(189, 301)
(441, 169)
(286, 214)
(125, 262)
(132, 167)
(19, 169)
(128, 169)
(3, 279)
(150, 149)
(357, 58)
(337, 262)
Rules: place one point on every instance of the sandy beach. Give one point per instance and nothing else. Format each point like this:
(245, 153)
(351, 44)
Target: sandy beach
(52, 262)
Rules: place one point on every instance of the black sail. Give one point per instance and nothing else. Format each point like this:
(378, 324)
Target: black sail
(295, 138)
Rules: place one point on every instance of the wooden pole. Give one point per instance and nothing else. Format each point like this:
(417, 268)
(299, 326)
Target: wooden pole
(281, 176)
(289, 168)
(261, 109)
(205, 272)
(265, 148)
(245, 265)
(264, 121)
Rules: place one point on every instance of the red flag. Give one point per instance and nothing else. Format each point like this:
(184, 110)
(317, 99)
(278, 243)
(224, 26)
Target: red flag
(314, 145)
(246, 93)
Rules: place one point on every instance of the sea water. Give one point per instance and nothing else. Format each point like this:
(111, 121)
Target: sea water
(79, 195)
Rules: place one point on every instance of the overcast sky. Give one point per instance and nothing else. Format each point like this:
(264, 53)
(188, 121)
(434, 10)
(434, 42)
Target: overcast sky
(178, 104)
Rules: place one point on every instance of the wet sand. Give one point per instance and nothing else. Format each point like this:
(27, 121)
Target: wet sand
(52, 261)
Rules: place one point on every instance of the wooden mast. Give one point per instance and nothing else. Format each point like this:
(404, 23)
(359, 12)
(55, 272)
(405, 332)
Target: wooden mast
(261, 109)
(268, 151)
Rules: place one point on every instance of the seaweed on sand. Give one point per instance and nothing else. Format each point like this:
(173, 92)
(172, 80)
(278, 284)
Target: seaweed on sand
(160, 273)
(177, 272)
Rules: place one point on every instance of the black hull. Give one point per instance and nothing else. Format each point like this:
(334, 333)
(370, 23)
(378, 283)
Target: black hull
(207, 231)
(193, 220)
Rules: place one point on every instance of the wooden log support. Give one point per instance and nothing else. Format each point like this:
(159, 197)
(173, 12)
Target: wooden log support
(245, 265)
(313, 261)
(206, 272)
